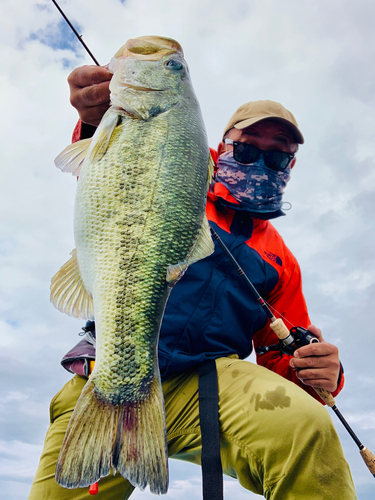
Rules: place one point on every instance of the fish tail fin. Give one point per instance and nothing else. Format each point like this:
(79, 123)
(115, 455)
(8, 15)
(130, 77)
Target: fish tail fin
(140, 452)
(129, 437)
(86, 452)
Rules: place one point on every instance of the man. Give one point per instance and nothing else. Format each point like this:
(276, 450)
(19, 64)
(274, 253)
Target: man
(275, 438)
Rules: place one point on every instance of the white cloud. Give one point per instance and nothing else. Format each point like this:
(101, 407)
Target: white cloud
(18, 460)
(363, 421)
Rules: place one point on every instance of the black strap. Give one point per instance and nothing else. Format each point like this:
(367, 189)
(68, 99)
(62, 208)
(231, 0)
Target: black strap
(212, 471)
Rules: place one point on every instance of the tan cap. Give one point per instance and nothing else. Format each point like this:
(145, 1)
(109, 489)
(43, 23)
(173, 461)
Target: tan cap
(252, 112)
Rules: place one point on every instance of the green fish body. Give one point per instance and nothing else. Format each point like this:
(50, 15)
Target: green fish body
(139, 222)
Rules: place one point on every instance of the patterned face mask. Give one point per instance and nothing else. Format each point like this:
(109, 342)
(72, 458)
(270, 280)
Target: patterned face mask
(254, 186)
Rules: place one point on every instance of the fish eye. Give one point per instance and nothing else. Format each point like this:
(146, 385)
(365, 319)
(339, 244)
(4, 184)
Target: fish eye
(173, 64)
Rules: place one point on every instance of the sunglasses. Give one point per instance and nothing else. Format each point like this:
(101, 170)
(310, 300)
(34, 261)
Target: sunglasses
(247, 153)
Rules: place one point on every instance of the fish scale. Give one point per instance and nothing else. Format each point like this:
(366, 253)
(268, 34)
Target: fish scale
(139, 222)
(140, 235)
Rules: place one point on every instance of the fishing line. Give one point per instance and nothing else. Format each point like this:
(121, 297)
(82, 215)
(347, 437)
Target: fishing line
(279, 314)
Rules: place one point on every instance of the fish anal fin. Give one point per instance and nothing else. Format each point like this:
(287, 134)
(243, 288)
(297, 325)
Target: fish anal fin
(68, 293)
(204, 246)
(71, 159)
(129, 437)
(175, 272)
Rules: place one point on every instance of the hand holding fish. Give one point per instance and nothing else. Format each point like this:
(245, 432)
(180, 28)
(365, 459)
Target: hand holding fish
(318, 364)
(89, 92)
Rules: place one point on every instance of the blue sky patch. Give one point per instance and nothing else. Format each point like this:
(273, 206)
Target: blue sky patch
(66, 63)
(58, 36)
(41, 6)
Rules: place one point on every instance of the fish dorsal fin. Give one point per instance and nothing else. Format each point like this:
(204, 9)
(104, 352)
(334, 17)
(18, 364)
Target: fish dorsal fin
(204, 246)
(70, 160)
(68, 293)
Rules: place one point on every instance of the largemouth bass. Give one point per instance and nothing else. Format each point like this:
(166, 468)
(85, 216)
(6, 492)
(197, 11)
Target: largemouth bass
(139, 222)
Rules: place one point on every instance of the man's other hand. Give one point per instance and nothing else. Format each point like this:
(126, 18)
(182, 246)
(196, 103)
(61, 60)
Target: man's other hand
(89, 92)
(317, 365)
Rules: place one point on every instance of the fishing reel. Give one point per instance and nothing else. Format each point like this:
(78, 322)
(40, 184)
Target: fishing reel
(302, 337)
(298, 337)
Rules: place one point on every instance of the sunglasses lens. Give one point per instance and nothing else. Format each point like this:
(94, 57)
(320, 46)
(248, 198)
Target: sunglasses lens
(245, 153)
(277, 160)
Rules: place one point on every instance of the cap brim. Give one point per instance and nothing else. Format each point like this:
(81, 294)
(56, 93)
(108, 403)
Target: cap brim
(250, 121)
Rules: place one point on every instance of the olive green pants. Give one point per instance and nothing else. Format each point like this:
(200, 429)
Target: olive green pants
(275, 438)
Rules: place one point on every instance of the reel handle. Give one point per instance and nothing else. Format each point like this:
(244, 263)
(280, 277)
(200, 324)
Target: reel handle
(279, 327)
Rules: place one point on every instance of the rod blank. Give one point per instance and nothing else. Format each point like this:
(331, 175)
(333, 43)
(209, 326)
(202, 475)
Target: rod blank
(75, 32)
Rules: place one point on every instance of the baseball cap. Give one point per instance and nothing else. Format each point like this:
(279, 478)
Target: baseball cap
(256, 111)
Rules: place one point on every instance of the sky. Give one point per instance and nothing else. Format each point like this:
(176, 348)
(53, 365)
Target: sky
(316, 58)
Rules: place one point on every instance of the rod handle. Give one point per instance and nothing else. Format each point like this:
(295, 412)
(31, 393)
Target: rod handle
(326, 396)
(279, 327)
(369, 459)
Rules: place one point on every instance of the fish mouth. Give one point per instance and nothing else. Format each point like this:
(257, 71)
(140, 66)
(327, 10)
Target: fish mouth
(135, 87)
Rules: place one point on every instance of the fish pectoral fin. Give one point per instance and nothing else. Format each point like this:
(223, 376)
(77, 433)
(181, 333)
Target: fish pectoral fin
(71, 159)
(175, 272)
(104, 133)
(204, 246)
(68, 293)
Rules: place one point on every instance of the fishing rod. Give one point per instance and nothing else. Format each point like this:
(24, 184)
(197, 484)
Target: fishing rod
(292, 340)
(75, 32)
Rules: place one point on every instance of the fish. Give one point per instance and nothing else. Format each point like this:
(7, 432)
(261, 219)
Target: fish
(139, 222)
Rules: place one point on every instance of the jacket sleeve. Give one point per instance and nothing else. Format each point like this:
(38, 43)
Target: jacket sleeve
(82, 131)
(287, 301)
